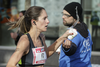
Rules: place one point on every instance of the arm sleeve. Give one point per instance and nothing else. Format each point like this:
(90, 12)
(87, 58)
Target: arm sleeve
(75, 42)
(70, 51)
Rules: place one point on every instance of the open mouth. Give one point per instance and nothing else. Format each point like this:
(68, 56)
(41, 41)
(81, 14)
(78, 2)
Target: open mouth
(46, 26)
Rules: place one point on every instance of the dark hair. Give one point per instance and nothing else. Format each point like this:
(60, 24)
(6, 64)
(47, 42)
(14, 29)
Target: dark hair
(23, 12)
(25, 21)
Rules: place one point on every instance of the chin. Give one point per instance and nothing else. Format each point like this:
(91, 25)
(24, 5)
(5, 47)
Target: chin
(44, 30)
(69, 25)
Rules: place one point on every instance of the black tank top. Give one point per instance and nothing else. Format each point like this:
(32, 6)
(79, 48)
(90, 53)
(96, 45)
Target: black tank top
(26, 60)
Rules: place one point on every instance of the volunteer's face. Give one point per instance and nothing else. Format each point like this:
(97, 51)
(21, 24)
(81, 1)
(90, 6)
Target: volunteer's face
(43, 21)
(68, 20)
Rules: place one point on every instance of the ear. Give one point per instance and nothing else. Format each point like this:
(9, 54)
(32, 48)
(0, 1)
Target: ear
(75, 20)
(33, 22)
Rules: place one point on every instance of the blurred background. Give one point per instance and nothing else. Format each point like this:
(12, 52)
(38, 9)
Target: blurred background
(9, 9)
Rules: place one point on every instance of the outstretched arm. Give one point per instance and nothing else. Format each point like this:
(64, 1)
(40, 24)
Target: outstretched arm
(52, 48)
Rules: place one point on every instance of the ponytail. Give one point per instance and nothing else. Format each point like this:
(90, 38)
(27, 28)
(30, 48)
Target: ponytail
(19, 24)
(22, 25)
(15, 24)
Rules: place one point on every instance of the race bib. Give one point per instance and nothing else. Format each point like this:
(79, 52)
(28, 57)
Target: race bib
(39, 55)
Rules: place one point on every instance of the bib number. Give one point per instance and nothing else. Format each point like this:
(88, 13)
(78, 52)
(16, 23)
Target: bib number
(39, 55)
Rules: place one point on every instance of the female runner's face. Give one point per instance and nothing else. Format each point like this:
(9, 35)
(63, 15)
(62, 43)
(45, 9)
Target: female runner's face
(43, 21)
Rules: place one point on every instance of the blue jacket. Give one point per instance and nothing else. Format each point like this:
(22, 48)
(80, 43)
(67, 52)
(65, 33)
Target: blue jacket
(82, 55)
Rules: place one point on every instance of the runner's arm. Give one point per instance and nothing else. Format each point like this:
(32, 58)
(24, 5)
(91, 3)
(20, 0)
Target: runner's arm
(52, 48)
(22, 47)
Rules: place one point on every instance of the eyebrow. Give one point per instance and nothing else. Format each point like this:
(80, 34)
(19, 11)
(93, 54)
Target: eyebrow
(46, 16)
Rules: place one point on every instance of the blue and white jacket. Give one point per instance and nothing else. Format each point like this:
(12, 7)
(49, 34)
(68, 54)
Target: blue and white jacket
(79, 55)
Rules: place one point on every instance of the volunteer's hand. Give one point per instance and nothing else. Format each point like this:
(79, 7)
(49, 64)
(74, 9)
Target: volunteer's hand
(67, 43)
